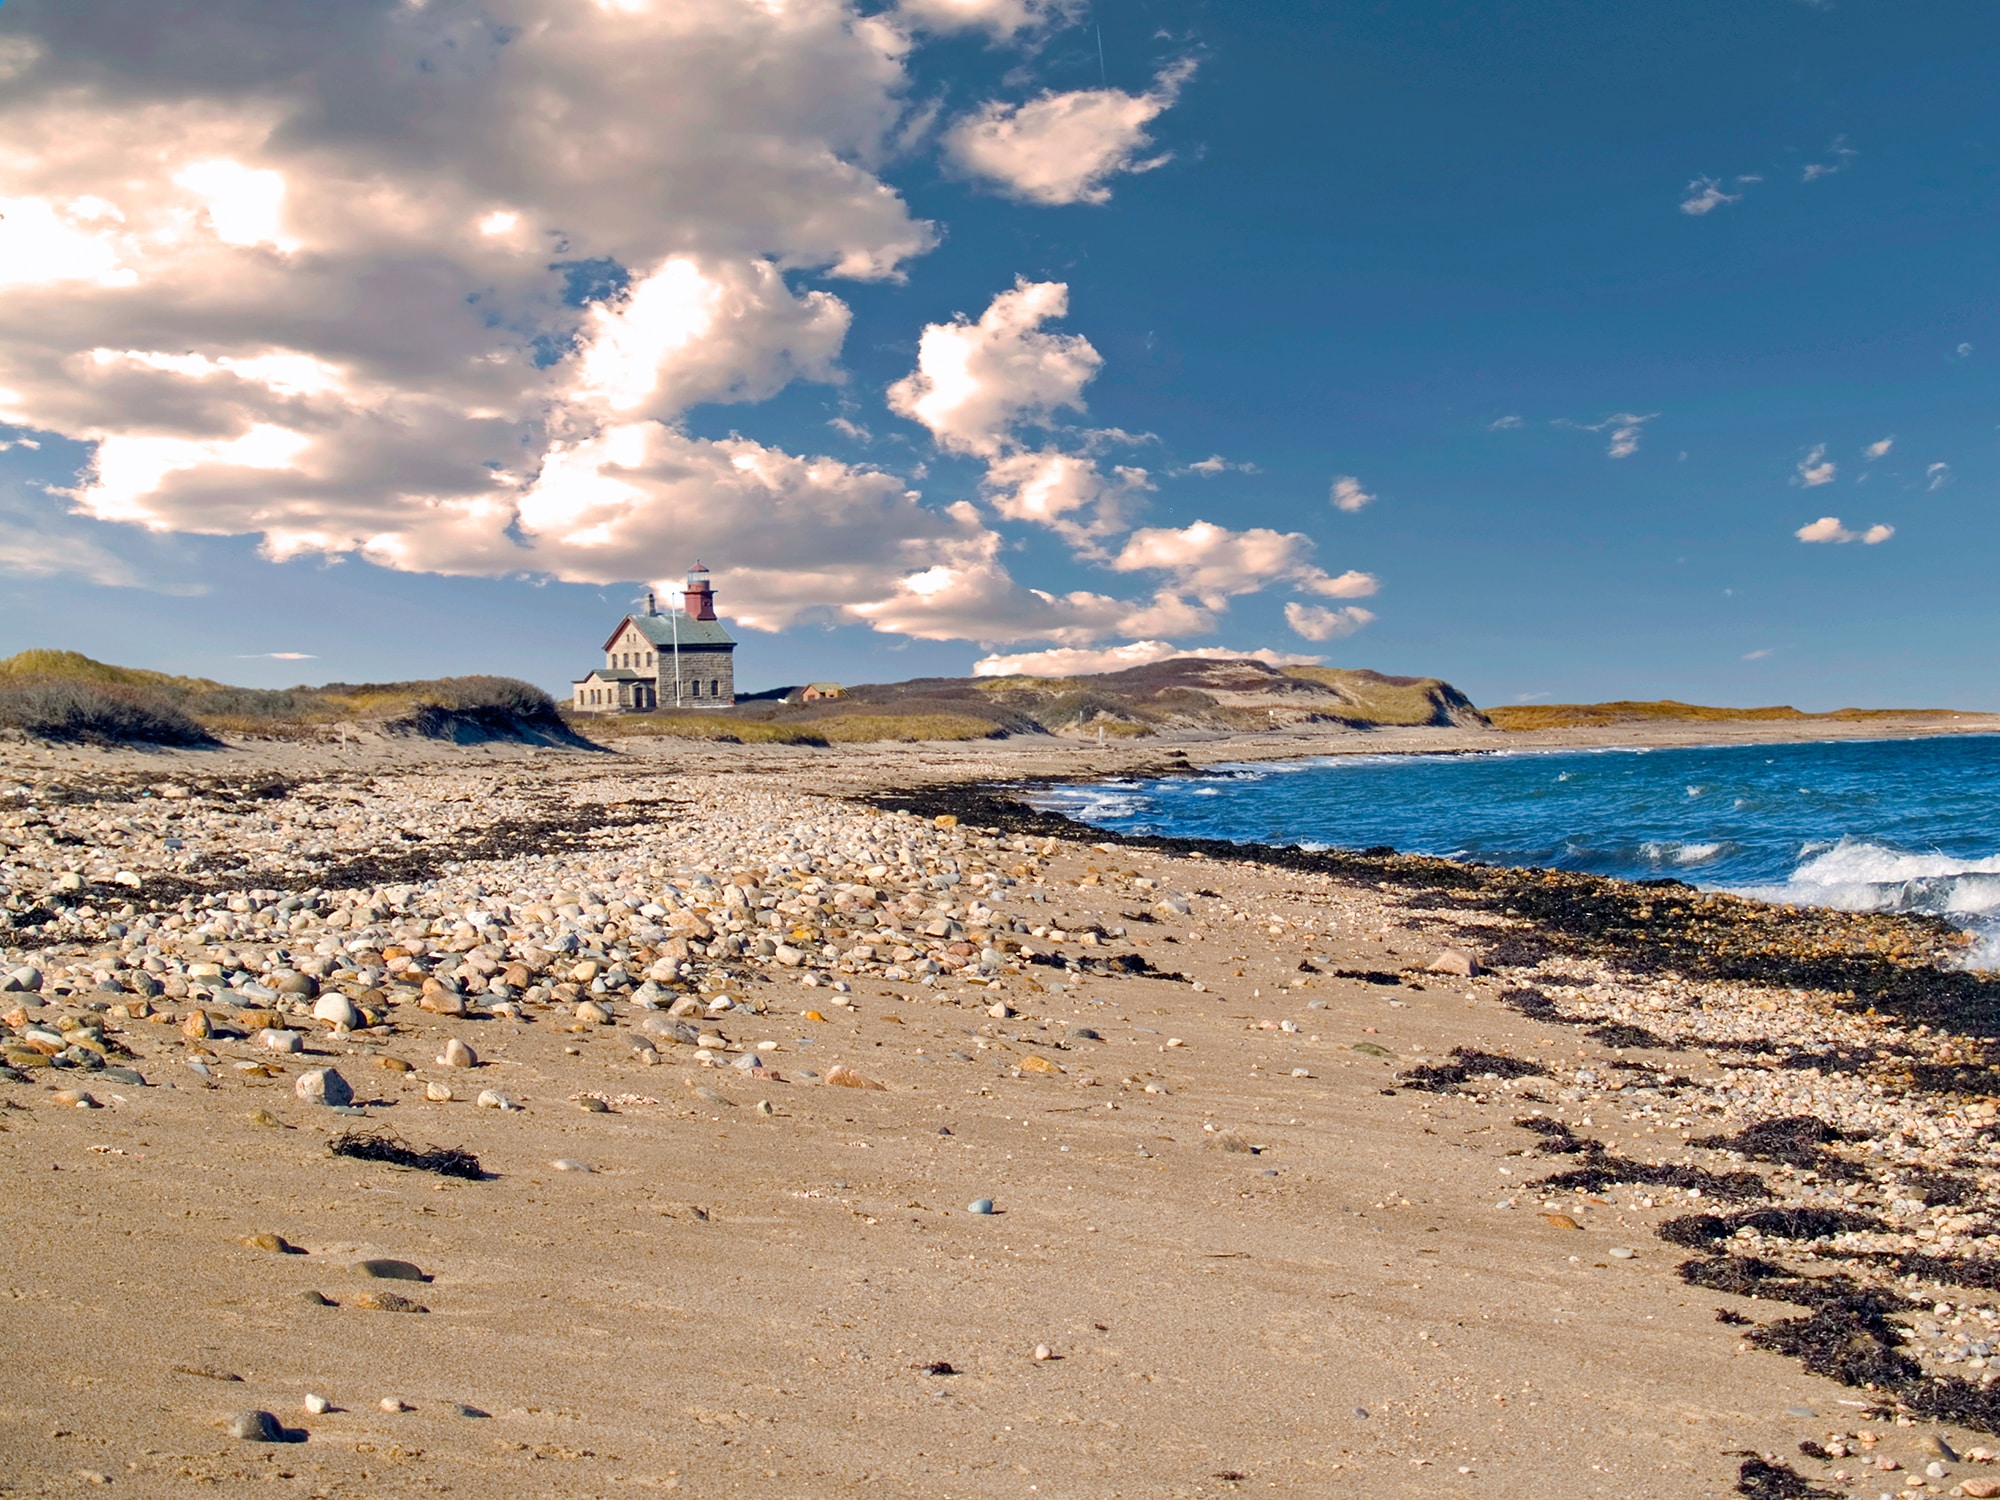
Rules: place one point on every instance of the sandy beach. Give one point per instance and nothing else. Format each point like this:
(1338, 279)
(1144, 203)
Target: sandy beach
(746, 1040)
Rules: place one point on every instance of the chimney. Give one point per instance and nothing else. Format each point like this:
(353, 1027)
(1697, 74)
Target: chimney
(652, 605)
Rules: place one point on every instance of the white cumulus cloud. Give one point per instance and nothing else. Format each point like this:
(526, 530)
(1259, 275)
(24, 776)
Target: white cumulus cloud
(975, 381)
(1318, 624)
(1705, 195)
(1830, 529)
(1214, 563)
(1623, 428)
(1064, 147)
(1815, 469)
(1841, 154)
(1066, 492)
(1348, 495)
(1002, 18)
(1879, 449)
(1937, 476)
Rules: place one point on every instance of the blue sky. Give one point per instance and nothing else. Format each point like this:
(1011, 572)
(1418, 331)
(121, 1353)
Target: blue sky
(1449, 252)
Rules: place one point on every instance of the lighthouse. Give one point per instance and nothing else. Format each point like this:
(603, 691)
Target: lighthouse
(665, 659)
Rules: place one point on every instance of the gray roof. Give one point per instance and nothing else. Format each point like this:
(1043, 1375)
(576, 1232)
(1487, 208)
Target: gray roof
(661, 629)
(617, 674)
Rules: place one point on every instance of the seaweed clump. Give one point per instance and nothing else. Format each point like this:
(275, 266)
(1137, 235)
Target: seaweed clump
(1619, 1034)
(1466, 1066)
(1779, 1223)
(1847, 1337)
(1944, 1270)
(1557, 1138)
(1795, 1140)
(1936, 1187)
(1533, 1004)
(1761, 1479)
(1601, 1170)
(446, 1161)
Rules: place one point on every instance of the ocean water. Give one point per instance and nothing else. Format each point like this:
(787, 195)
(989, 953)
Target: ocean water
(1868, 825)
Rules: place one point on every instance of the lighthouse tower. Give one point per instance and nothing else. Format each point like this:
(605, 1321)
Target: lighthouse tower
(700, 593)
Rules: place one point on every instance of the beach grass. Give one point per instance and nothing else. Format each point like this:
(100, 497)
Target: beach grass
(724, 727)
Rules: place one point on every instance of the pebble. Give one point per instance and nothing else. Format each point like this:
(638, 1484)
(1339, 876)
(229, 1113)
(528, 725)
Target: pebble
(336, 1010)
(458, 1055)
(463, 1410)
(276, 1244)
(980, 1206)
(317, 1299)
(571, 1164)
(845, 1077)
(317, 1405)
(256, 1427)
(387, 1302)
(1621, 1252)
(591, 1105)
(76, 1099)
(381, 1268)
(494, 1099)
(764, 1107)
(323, 1086)
(438, 1093)
(1044, 1352)
(273, 1040)
(390, 1403)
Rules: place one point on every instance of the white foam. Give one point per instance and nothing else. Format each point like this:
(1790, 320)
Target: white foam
(1674, 852)
(1860, 875)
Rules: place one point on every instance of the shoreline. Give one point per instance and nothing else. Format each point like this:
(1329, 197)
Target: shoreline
(1249, 1116)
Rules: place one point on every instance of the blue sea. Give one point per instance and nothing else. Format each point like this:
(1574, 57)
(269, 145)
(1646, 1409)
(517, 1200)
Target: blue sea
(1860, 825)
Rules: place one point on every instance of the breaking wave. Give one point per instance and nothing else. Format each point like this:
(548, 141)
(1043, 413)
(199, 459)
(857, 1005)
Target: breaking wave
(1665, 852)
(1872, 825)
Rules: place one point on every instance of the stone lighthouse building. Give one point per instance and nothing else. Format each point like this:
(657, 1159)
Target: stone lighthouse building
(682, 658)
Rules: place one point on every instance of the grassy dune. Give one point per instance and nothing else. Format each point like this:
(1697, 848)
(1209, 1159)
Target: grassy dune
(1667, 711)
(66, 696)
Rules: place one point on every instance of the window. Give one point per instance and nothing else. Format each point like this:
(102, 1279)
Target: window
(697, 687)
(715, 688)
